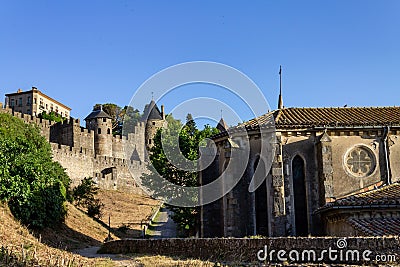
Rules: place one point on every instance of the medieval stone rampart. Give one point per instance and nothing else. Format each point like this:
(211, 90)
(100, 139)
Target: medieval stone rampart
(73, 147)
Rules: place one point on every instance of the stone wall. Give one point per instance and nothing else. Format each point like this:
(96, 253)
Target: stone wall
(327, 155)
(73, 147)
(245, 250)
(394, 148)
(343, 182)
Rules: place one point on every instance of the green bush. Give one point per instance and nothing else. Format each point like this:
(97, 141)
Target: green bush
(52, 116)
(84, 196)
(30, 181)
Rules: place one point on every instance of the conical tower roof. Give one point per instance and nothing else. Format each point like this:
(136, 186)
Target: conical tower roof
(98, 114)
(151, 112)
(222, 126)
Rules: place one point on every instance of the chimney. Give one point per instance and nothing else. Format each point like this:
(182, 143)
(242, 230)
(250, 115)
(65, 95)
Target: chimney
(162, 112)
(34, 88)
(19, 91)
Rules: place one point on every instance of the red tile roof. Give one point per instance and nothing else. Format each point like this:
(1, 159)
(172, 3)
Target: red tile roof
(376, 226)
(300, 118)
(330, 117)
(337, 117)
(387, 195)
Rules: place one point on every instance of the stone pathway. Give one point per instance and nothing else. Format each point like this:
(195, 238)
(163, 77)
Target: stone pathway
(163, 226)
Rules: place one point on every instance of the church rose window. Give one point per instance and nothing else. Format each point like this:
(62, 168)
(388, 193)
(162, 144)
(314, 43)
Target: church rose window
(360, 161)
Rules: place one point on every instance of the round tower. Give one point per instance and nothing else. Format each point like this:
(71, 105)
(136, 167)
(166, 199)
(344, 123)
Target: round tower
(101, 123)
(154, 119)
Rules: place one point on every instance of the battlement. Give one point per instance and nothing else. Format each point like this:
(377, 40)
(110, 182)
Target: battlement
(70, 150)
(136, 165)
(109, 161)
(85, 130)
(74, 147)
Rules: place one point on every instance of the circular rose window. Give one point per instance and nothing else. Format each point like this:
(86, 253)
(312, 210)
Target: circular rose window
(360, 161)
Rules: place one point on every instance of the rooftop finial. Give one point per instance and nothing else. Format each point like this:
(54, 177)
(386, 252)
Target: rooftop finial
(152, 95)
(221, 113)
(101, 106)
(280, 101)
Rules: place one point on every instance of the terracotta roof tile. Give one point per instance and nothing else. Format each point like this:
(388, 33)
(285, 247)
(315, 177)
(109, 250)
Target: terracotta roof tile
(376, 226)
(331, 117)
(387, 195)
(295, 118)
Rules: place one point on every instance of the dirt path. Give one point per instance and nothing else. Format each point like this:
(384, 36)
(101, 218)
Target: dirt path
(119, 260)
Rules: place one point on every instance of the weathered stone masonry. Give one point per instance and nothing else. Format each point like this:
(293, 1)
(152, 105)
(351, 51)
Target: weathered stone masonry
(92, 153)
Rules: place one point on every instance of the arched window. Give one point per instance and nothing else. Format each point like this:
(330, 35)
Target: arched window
(261, 199)
(99, 131)
(108, 131)
(300, 197)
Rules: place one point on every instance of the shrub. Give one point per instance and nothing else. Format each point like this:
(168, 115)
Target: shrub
(84, 196)
(33, 185)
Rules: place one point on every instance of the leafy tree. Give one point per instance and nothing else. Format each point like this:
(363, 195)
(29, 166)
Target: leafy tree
(190, 124)
(52, 116)
(189, 140)
(34, 186)
(85, 196)
(130, 118)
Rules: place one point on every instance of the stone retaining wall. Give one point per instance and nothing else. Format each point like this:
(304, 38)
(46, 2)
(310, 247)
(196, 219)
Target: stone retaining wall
(245, 250)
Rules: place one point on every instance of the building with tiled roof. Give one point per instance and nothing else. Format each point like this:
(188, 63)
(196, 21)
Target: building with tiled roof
(34, 102)
(318, 157)
(372, 213)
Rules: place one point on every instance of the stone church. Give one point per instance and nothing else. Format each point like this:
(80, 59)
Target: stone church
(335, 171)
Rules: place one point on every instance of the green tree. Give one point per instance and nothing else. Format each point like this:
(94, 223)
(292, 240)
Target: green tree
(85, 196)
(130, 118)
(52, 116)
(189, 140)
(34, 186)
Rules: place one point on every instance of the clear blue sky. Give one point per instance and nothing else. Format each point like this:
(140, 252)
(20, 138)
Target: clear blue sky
(333, 52)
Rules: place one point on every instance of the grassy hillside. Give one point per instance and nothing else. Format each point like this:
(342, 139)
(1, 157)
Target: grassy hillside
(126, 211)
(52, 246)
(79, 231)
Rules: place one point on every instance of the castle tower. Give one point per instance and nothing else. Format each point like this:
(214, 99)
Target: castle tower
(154, 119)
(222, 126)
(100, 122)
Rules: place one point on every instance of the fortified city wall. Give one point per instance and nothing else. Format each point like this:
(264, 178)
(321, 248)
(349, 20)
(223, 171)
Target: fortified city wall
(73, 147)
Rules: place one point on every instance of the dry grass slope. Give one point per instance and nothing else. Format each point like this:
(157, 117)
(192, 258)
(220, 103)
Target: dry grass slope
(126, 211)
(20, 248)
(79, 231)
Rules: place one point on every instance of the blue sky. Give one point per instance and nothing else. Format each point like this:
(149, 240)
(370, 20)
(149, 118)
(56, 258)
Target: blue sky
(333, 53)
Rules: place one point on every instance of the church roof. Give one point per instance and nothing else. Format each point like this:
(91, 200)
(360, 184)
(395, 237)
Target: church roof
(330, 117)
(387, 195)
(376, 226)
(151, 112)
(98, 114)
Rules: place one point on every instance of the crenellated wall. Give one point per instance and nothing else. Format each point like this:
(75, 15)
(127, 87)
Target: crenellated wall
(73, 147)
